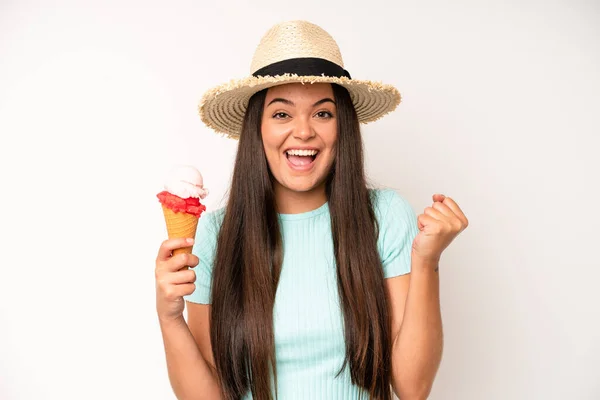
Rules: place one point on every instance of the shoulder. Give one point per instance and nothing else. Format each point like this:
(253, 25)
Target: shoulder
(389, 200)
(208, 229)
(397, 228)
(217, 216)
(212, 220)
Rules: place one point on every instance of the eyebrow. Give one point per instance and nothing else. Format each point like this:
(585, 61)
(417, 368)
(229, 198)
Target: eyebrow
(291, 103)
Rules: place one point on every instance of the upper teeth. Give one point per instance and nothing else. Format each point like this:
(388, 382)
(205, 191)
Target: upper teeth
(302, 152)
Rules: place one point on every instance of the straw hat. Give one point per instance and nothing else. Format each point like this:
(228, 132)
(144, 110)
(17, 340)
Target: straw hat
(293, 51)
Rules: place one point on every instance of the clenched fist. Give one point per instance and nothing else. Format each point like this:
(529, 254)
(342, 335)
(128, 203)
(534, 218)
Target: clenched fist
(438, 226)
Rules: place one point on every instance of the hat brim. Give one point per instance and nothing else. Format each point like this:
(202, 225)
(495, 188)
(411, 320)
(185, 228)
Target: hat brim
(223, 107)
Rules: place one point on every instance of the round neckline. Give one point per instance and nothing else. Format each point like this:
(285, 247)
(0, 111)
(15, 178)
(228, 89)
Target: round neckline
(307, 214)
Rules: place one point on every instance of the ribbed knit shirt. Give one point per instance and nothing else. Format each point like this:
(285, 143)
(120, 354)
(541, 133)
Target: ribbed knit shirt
(307, 316)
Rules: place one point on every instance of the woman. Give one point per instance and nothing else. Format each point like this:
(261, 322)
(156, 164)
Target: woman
(308, 285)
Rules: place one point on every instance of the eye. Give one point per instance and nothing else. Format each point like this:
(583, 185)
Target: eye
(280, 115)
(324, 114)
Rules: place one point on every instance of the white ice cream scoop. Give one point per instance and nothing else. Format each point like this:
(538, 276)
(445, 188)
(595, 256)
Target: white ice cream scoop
(185, 181)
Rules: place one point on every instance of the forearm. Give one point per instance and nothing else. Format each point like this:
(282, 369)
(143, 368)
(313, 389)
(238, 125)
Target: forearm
(417, 348)
(190, 375)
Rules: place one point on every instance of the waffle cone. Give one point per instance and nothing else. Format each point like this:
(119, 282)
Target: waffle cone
(180, 225)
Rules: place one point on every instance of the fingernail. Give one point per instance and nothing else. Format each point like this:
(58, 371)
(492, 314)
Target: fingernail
(190, 240)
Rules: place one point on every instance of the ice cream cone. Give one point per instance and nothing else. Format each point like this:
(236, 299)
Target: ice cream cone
(181, 204)
(180, 225)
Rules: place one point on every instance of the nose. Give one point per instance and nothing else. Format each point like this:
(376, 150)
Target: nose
(303, 129)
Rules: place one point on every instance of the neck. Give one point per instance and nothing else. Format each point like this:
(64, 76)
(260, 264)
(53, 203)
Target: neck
(292, 202)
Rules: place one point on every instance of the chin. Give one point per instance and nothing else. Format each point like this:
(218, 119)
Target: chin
(302, 186)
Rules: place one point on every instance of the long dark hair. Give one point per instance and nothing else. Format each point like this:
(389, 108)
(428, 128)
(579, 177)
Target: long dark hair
(249, 257)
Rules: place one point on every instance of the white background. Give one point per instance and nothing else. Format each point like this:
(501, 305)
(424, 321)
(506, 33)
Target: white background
(500, 111)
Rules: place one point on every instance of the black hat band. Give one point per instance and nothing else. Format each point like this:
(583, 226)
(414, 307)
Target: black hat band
(303, 67)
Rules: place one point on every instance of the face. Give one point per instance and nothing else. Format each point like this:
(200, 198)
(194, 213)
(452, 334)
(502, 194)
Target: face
(299, 133)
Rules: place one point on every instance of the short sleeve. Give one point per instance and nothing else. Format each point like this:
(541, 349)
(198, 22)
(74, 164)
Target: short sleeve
(397, 229)
(205, 246)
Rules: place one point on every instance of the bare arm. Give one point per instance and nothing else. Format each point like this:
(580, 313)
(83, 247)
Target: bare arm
(190, 375)
(416, 318)
(416, 330)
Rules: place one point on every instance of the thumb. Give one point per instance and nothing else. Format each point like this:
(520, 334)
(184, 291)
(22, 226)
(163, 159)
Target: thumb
(421, 222)
(424, 220)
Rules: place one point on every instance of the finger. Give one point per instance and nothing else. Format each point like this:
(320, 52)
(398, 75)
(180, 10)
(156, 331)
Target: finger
(175, 292)
(180, 261)
(444, 209)
(185, 289)
(164, 252)
(438, 197)
(456, 209)
(182, 277)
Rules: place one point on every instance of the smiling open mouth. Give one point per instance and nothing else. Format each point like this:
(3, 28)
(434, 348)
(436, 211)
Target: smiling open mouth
(301, 158)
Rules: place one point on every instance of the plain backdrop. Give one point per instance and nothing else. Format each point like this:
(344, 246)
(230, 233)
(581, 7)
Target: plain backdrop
(500, 111)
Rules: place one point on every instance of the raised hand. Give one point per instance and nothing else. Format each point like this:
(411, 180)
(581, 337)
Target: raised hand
(438, 226)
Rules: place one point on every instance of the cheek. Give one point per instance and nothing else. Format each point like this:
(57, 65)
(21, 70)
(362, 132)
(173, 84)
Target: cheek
(273, 133)
(271, 143)
(331, 141)
(329, 133)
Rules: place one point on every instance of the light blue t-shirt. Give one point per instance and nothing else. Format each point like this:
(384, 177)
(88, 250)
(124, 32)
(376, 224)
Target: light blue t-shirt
(307, 318)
